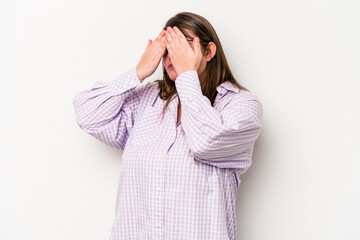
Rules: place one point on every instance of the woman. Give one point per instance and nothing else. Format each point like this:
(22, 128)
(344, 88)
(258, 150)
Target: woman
(186, 138)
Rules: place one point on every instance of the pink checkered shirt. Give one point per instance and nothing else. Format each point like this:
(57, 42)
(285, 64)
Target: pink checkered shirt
(162, 192)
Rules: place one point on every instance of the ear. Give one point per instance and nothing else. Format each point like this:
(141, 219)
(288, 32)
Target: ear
(210, 51)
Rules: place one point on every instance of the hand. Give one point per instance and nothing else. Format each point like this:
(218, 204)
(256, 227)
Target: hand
(151, 57)
(182, 56)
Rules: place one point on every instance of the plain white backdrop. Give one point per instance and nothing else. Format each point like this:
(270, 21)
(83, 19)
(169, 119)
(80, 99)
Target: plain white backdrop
(301, 58)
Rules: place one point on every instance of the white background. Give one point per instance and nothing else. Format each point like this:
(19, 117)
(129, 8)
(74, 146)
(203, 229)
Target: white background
(301, 58)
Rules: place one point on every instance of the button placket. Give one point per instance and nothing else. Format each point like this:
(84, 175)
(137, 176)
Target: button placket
(159, 195)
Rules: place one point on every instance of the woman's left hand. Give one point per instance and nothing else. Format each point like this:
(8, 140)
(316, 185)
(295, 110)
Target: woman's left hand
(182, 56)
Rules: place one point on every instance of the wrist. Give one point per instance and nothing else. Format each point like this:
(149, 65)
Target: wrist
(139, 75)
(185, 70)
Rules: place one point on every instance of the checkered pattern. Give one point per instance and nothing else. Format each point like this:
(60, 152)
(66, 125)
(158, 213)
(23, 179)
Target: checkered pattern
(162, 192)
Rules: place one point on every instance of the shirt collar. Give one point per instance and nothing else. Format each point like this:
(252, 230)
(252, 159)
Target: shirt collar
(227, 86)
(222, 89)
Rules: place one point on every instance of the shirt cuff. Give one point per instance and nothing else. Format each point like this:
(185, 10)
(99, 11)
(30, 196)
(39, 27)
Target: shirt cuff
(188, 85)
(126, 81)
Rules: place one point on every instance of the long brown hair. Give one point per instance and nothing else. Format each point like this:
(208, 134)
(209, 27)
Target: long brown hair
(217, 69)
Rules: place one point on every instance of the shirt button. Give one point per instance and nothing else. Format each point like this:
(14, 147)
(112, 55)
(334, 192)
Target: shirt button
(158, 189)
(161, 156)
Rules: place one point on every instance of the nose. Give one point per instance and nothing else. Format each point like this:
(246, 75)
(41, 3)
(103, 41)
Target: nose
(166, 56)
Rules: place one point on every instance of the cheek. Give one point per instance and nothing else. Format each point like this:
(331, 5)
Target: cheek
(203, 64)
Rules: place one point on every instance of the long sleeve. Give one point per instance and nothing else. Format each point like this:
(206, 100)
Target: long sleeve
(225, 138)
(108, 110)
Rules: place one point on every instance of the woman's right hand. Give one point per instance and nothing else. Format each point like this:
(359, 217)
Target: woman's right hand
(150, 59)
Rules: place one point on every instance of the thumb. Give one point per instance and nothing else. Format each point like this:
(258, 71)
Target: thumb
(149, 42)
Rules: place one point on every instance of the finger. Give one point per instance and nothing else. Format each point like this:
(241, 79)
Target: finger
(163, 39)
(168, 47)
(169, 40)
(160, 35)
(173, 35)
(162, 42)
(180, 35)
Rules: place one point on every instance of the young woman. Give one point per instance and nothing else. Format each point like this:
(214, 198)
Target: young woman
(186, 139)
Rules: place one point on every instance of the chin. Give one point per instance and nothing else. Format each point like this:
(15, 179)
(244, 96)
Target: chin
(172, 75)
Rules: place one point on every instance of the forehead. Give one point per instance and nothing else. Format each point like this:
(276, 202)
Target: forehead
(188, 33)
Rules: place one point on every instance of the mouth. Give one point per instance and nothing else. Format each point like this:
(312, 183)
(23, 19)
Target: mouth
(170, 66)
